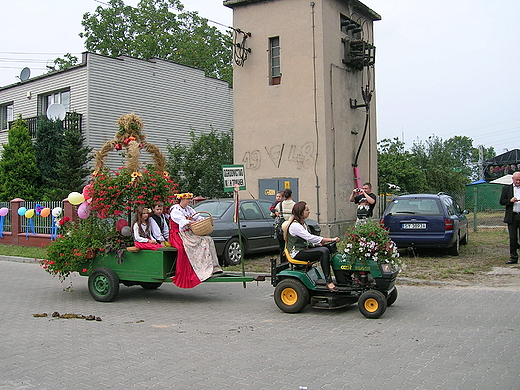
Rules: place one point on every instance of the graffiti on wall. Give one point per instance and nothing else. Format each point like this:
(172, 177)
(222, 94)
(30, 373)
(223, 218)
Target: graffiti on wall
(252, 159)
(303, 156)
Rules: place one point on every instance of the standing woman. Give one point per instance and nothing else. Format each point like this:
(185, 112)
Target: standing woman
(305, 246)
(196, 255)
(284, 209)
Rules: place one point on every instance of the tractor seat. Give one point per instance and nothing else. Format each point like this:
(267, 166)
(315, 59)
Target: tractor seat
(298, 263)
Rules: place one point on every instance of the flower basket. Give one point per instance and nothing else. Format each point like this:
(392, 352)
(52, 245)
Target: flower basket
(204, 226)
(369, 241)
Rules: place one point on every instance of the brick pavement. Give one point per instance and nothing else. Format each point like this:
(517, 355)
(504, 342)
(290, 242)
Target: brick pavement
(221, 336)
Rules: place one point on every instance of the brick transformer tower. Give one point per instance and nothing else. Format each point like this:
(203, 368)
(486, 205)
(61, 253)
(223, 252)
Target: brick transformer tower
(304, 103)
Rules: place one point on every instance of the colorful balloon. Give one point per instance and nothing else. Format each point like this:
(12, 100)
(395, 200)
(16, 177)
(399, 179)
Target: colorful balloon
(56, 211)
(75, 198)
(45, 212)
(21, 211)
(87, 191)
(120, 224)
(126, 231)
(84, 210)
(4, 211)
(29, 213)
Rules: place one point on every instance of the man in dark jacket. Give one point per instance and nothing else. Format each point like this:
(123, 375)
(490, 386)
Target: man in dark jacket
(510, 198)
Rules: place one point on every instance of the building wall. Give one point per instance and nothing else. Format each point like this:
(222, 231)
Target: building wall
(171, 99)
(304, 127)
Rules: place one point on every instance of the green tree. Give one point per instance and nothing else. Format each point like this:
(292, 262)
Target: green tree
(67, 61)
(430, 166)
(49, 140)
(397, 168)
(197, 168)
(159, 29)
(445, 170)
(71, 161)
(19, 173)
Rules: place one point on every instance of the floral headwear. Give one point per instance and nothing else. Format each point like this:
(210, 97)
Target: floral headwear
(184, 195)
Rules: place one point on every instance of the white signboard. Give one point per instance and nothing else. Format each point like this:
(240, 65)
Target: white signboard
(233, 175)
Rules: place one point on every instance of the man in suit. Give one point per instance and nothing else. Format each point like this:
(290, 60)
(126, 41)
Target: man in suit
(510, 198)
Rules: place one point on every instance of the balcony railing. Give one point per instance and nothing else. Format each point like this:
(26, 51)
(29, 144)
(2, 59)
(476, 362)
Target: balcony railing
(31, 122)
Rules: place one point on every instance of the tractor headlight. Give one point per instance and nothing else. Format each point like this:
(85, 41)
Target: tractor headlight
(387, 268)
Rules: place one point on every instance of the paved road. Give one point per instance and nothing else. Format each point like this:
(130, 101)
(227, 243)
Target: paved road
(221, 336)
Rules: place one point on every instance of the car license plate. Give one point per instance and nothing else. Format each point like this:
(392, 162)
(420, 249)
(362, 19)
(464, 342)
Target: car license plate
(414, 226)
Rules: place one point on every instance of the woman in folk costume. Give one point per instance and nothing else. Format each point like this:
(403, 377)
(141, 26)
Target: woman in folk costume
(196, 255)
(142, 228)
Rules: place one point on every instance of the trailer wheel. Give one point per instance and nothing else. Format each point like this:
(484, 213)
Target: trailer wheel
(392, 297)
(291, 295)
(372, 304)
(150, 285)
(103, 284)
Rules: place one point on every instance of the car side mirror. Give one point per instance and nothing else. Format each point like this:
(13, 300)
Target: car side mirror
(465, 212)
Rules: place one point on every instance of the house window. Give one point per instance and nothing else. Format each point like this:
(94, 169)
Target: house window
(62, 97)
(6, 115)
(274, 54)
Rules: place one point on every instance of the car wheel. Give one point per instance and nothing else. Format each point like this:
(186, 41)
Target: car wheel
(103, 284)
(392, 297)
(464, 240)
(232, 252)
(372, 304)
(291, 296)
(455, 249)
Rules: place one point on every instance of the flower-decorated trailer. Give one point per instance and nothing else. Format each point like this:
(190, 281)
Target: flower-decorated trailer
(365, 270)
(99, 243)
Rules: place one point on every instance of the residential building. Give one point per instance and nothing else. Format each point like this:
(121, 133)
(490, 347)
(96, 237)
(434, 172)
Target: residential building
(171, 99)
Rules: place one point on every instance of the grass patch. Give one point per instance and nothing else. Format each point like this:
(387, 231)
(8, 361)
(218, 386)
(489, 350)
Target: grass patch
(23, 251)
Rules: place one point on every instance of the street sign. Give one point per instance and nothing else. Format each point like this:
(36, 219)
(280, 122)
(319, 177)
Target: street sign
(233, 175)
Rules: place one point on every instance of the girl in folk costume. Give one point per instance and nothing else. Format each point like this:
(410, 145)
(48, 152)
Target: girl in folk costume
(142, 228)
(196, 255)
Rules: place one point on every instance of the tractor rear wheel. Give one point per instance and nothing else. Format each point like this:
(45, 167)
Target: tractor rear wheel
(291, 295)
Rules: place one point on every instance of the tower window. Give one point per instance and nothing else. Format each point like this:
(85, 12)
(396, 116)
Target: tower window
(274, 54)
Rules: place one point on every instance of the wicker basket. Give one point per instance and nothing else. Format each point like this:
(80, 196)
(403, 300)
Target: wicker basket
(204, 226)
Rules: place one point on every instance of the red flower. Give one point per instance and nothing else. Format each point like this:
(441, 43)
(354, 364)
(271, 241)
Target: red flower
(85, 270)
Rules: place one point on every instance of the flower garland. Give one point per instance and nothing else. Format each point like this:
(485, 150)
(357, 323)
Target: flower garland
(117, 193)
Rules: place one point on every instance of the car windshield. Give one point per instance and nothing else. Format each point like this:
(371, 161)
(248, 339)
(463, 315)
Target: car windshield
(414, 206)
(216, 209)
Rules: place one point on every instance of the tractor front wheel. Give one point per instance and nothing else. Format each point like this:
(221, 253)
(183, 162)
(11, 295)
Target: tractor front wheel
(372, 304)
(392, 297)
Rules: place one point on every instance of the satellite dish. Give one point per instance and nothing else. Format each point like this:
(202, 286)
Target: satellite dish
(25, 74)
(56, 111)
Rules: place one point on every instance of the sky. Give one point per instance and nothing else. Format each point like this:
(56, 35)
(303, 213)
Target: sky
(443, 68)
